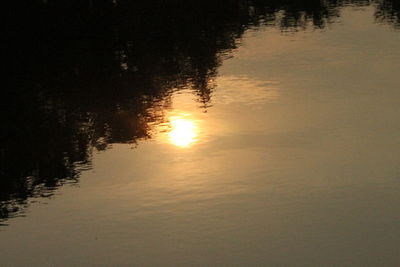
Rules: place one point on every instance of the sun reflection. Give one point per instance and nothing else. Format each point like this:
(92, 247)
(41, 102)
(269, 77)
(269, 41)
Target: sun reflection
(183, 132)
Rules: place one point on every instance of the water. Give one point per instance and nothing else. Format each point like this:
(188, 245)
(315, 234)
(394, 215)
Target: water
(217, 135)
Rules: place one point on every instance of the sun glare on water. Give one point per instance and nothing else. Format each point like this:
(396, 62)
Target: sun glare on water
(183, 132)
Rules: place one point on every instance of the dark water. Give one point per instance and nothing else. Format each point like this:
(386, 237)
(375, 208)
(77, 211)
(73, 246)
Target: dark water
(188, 133)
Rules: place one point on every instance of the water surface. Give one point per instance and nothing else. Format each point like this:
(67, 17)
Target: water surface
(265, 135)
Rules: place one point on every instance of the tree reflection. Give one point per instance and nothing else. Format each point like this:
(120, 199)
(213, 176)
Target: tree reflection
(87, 74)
(388, 11)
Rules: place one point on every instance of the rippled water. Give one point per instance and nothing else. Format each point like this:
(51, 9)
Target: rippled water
(232, 134)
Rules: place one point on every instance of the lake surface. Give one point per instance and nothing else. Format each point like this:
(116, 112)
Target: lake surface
(232, 134)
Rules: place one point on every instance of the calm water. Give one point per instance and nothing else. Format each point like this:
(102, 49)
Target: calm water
(182, 134)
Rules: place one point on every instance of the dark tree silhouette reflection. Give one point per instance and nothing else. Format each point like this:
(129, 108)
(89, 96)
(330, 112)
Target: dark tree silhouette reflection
(388, 11)
(86, 74)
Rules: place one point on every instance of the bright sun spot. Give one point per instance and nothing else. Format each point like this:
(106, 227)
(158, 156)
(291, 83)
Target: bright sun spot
(183, 132)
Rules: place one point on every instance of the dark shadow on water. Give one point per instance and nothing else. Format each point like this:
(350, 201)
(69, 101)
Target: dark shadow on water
(86, 74)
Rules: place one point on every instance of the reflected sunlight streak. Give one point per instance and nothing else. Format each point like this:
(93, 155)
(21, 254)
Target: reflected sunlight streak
(183, 132)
